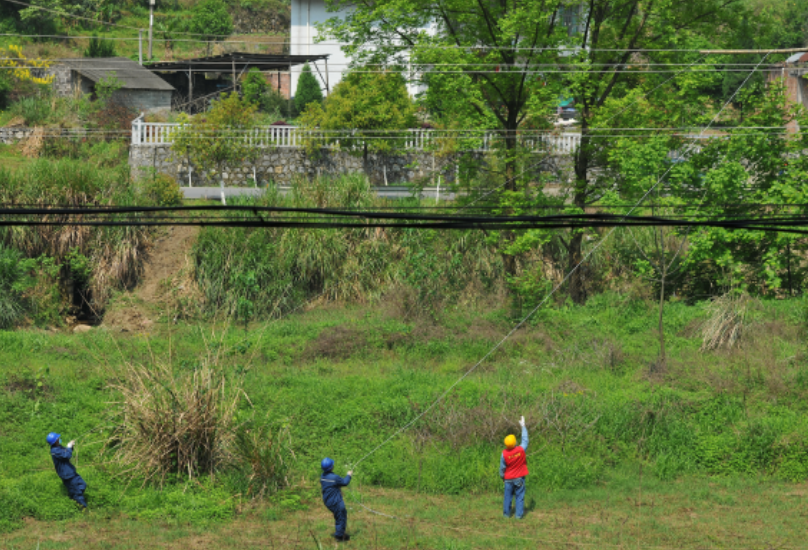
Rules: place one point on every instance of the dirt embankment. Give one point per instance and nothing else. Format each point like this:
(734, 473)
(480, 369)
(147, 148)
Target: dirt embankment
(166, 278)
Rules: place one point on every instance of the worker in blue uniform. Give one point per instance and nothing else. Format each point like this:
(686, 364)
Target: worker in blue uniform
(65, 470)
(332, 485)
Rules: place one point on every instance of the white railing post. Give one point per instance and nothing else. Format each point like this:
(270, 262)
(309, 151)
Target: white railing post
(136, 130)
(564, 143)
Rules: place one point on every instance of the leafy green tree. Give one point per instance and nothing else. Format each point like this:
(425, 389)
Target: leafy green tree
(308, 90)
(212, 20)
(169, 27)
(213, 140)
(501, 49)
(375, 106)
(254, 86)
(258, 92)
(747, 173)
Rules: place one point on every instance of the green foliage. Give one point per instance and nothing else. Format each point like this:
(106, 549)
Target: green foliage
(6, 86)
(15, 280)
(373, 105)
(308, 90)
(264, 273)
(107, 86)
(588, 420)
(215, 139)
(162, 190)
(151, 443)
(254, 86)
(268, 100)
(115, 253)
(211, 19)
(35, 110)
(265, 454)
(100, 48)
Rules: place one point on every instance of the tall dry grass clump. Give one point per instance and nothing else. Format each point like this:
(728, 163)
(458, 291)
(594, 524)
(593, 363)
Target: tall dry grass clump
(726, 321)
(175, 422)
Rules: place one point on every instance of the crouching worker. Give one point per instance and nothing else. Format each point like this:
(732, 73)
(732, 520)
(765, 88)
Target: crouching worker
(513, 470)
(332, 486)
(64, 469)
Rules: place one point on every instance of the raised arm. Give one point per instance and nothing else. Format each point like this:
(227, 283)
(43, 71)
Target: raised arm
(344, 481)
(524, 433)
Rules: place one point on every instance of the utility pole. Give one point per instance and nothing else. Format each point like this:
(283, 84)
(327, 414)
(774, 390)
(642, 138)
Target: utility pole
(140, 47)
(151, 24)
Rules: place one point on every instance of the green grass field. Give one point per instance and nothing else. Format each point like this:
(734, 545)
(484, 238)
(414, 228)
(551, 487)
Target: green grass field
(711, 452)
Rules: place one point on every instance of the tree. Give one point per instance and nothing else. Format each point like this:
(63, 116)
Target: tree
(755, 171)
(211, 19)
(169, 27)
(308, 90)
(219, 137)
(258, 92)
(254, 86)
(373, 105)
(500, 49)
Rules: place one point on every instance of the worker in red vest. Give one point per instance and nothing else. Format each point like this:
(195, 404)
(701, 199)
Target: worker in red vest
(513, 469)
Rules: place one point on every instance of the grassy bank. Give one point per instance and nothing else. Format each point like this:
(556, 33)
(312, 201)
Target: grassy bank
(344, 379)
(625, 511)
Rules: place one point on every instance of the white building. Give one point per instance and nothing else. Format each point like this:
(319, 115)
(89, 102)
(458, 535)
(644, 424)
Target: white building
(305, 14)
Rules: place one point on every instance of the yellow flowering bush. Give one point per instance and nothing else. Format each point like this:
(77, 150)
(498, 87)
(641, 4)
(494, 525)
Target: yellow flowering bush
(13, 60)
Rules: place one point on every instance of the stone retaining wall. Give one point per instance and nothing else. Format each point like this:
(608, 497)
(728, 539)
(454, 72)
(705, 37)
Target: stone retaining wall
(280, 165)
(14, 135)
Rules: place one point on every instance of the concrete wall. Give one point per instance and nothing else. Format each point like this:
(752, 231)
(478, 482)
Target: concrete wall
(147, 101)
(66, 82)
(281, 165)
(305, 14)
(63, 83)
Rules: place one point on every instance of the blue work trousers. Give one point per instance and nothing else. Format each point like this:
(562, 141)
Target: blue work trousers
(75, 489)
(514, 488)
(340, 519)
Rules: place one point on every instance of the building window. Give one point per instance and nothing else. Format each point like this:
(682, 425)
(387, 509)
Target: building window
(571, 19)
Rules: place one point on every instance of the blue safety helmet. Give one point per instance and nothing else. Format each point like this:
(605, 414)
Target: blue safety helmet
(53, 438)
(327, 464)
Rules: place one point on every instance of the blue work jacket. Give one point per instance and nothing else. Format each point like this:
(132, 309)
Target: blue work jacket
(61, 460)
(331, 484)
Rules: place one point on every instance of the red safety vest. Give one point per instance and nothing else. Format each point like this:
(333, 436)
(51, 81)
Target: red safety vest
(515, 463)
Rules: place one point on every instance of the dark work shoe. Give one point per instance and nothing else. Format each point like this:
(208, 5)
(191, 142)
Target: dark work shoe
(343, 538)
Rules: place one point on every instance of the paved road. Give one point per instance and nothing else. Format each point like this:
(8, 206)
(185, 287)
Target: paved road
(391, 192)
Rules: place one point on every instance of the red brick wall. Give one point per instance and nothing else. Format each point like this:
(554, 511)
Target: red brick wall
(272, 79)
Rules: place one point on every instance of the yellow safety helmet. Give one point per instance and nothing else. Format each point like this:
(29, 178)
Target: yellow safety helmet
(510, 441)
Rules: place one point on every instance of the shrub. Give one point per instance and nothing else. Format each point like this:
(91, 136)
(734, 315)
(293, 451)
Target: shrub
(308, 90)
(16, 77)
(100, 48)
(211, 19)
(264, 458)
(216, 139)
(115, 253)
(14, 281)
(254, 86)
(266, 98)
(35, 110)
(175, 421)
(162, 190)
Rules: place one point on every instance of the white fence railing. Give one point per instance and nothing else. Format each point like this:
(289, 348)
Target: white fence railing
(160, 133)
